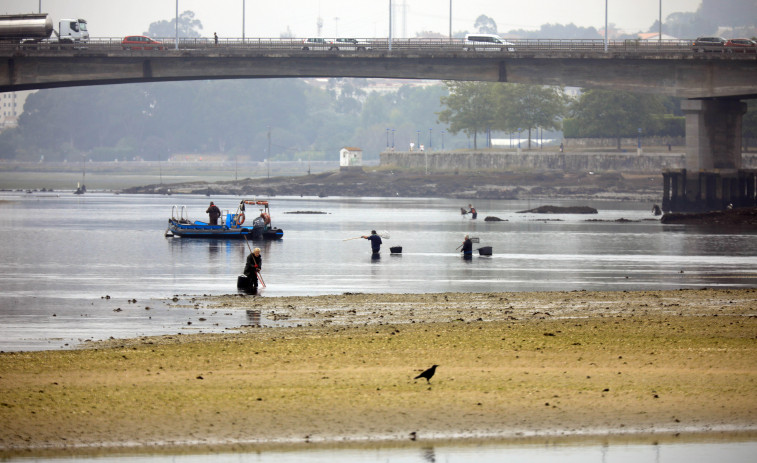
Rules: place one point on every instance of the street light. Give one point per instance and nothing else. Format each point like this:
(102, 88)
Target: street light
(419, 139)
(429, 138)
(442, 140)
(392, 139)
(387, 137)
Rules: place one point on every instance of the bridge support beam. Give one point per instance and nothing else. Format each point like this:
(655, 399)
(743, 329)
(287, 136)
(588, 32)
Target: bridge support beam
(713, 133)
(713, 178)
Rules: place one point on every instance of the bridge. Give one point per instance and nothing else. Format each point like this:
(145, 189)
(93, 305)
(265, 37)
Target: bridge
(713, 84)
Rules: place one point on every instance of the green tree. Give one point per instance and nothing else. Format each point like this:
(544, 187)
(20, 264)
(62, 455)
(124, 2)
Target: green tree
(188, 26)
(471, 108)
(528, 107)
(485, 25)
(616, 114)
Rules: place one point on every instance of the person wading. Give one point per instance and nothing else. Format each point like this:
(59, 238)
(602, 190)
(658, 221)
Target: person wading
(375, 242)
(253, 266)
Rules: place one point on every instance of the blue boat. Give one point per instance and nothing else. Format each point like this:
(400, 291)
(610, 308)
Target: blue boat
(233, 226)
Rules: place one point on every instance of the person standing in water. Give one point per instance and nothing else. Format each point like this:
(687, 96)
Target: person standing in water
(467, 248)
(375, 242)
(253, 266)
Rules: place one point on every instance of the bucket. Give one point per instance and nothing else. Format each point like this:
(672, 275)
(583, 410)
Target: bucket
(396, 249)
(485, 251)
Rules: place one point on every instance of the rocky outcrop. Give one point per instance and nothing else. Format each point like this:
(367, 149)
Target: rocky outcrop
(561, 210)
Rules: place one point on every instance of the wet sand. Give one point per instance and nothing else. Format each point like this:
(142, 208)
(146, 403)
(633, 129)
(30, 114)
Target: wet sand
(341, 368)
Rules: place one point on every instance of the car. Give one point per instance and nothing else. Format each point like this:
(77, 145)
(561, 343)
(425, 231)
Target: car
(741, 46)
(316, 43)
(343, 43)
(141, 42)
(705, 44)
(486, 42)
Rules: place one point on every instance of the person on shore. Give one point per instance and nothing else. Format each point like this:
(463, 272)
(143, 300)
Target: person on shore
(215, 38)
(375, 242)
(472, 211)
(253, 266)
(213, 213)
(467, 248)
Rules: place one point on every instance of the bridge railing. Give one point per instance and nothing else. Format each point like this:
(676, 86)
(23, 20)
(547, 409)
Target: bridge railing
(382, 44)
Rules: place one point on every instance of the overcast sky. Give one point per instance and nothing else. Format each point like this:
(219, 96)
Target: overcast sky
(356, 18)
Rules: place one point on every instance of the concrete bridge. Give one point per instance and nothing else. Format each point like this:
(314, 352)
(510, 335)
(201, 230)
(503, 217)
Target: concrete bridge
(714, 84)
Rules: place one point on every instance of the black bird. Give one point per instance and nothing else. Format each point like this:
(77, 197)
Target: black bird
(428, 373)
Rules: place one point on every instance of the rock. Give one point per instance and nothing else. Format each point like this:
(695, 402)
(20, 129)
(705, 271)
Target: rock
(561, 210)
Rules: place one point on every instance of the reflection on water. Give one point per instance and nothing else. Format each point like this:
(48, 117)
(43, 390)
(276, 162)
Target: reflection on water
(565, 451)
(62, 255)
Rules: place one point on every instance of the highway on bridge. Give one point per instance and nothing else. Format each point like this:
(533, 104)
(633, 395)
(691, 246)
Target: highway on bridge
(660, 67)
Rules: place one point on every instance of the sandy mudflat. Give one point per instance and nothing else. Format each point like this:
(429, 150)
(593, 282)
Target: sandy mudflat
(341, 368)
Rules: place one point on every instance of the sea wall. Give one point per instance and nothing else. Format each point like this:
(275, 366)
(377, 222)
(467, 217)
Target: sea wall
(552, 160)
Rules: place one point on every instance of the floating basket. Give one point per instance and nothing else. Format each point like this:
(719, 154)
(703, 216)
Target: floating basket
(485, 251)
(396, 249)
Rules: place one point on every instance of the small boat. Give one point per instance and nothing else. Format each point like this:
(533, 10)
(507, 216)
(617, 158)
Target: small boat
(233, 224)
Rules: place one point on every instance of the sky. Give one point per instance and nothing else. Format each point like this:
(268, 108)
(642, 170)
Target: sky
(350, 18)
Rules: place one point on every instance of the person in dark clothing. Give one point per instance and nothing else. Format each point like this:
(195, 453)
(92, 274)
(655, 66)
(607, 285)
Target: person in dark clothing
(473, 212)
(214, 213)
(467, 248)
(253, 266)
(375, 241)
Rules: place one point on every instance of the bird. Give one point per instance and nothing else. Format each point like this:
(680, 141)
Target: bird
(428, 373)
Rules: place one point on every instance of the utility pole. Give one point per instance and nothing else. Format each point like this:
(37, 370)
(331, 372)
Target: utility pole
(268, 158)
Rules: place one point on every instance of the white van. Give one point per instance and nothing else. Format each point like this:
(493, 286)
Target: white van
(486, 42)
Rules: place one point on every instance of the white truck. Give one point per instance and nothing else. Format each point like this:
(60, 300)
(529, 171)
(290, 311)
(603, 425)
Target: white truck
(20, 28)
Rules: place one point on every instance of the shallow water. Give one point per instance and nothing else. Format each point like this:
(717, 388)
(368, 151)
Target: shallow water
(98, 265)
(707, 451)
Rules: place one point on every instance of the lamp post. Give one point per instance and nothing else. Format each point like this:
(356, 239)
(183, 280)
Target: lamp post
(638, 146)
(390, 25)
(429, 138)
(419, 138)
(243, 5)
(387, 137)
(176, 45)
(605, 26)
(442, 140)
(392, 139)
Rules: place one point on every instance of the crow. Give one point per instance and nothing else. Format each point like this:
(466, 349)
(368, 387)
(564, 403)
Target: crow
(428, 373)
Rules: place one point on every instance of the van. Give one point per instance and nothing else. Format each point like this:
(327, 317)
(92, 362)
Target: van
(486, 42)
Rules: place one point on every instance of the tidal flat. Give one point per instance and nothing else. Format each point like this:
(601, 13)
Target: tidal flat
(341, 369)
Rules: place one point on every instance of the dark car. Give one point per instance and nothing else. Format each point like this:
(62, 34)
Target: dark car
(741, 46)
(704, 44)
(140, 42)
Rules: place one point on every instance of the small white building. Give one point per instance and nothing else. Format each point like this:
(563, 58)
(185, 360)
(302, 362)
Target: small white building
(350, 157)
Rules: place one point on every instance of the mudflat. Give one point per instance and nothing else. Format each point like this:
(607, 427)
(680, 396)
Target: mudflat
(341, 369)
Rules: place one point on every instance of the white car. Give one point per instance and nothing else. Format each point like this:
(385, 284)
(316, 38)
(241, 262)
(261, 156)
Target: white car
(316, 44)
(349, 44)
(487, 42)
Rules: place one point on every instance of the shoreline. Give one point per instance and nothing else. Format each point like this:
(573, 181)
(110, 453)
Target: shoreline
(547, 365)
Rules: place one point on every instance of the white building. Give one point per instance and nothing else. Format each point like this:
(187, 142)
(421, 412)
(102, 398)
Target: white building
(350, 157)
(11, 108)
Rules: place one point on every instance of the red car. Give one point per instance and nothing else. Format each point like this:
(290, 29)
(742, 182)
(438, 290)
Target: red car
(140, 42)
(741, 46)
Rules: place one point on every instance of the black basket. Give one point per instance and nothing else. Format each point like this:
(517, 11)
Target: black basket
(485, 251)
(396, 249)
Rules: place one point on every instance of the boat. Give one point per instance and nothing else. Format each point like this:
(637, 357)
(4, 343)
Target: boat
(233, 224)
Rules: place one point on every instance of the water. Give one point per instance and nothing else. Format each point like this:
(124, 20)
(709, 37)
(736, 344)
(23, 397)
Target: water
(488, 452)
(73, 265)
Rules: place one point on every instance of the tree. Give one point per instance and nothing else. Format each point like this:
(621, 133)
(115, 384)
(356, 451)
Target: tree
(616, 114)
(188, 26)
(485, 25)
(471, 108)
(528, 107)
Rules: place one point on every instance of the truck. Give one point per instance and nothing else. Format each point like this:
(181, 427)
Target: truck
(38, 27)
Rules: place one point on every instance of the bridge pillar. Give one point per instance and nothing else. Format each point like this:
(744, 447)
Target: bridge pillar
(713, 133)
